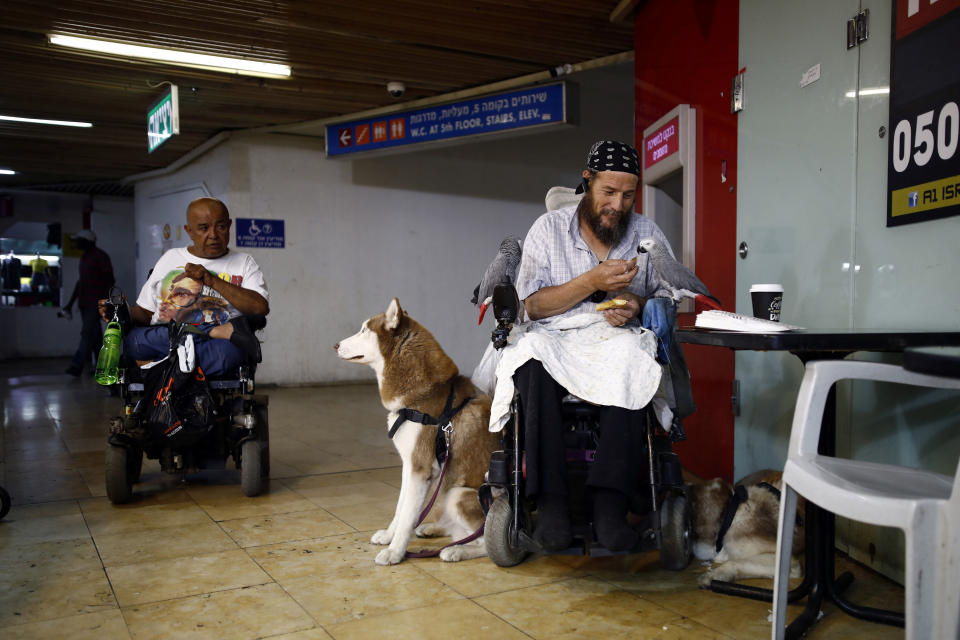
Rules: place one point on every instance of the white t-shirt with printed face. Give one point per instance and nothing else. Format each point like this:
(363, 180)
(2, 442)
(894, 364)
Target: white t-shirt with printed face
(171, 295)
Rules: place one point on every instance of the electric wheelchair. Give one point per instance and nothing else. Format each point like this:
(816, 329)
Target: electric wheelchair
(206, 422)
(659, 510)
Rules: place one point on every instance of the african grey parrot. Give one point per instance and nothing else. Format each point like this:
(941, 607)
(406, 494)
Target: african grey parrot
(502, 270)
(673, 275)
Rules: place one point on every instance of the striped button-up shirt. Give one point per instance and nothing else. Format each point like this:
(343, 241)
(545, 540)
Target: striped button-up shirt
(554, 252)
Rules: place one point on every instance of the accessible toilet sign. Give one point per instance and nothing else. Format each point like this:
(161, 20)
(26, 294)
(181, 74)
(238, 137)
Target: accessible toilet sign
(511, 112)
(260, 233)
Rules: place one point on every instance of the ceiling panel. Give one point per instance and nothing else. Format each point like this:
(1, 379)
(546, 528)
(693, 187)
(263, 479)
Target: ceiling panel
(341, 54)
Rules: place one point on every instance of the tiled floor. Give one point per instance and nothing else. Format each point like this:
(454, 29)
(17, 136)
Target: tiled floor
(197, 559)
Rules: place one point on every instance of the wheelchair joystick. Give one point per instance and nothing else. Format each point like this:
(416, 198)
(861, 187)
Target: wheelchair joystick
(506, 307)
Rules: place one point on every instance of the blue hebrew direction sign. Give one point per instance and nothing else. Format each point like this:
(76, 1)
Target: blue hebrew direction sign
(499, 113)
(260, 233)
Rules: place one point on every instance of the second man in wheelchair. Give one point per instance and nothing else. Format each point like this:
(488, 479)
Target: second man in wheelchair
(219, 291)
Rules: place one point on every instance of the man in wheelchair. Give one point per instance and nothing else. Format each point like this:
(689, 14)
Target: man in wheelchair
(200, 306)
(573, 259)
(220, 292)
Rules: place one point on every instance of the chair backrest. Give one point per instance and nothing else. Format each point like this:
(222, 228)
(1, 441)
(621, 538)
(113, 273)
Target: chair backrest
(820, 375)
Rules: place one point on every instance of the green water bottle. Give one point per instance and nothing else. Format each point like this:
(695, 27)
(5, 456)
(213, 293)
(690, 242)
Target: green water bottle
(106, 373)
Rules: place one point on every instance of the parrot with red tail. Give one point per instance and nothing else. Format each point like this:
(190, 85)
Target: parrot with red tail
(674, 276)
(503, 270)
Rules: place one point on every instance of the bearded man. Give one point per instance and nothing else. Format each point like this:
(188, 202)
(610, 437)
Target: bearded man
(574, 258)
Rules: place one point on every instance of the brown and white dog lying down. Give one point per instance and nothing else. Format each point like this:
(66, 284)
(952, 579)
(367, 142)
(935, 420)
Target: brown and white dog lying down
(749, 545)
(414, 373)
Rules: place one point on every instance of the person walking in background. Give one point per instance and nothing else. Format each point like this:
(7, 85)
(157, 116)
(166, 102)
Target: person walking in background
(96, 278)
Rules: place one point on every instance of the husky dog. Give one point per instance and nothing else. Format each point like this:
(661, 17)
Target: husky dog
(418, 382)
(749, 545)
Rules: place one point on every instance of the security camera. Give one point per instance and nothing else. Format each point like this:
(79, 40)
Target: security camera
(396, 89)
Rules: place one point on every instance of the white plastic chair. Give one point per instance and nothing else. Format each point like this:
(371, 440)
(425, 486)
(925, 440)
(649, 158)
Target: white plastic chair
(925, 505)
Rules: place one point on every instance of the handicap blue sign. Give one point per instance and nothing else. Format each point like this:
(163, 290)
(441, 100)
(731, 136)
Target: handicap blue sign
(260, 233)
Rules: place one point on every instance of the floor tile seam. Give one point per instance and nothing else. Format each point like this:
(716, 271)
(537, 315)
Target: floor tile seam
(12, 623)
(171, 558)
(546, 581)
(149, 528)
(686, 615)
(396, 611)
(44, 502)
(270, 580)
(265, 515)
(501, 618)
(103, 568)
(676, 615)
(280, 513)
(280, 581)
(297, 602)
(295, 540)
(327, 572)
(333, 473)
(208, 593)
(682, 617)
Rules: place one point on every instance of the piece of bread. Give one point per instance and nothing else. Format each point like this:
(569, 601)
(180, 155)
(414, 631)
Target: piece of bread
(611, 304)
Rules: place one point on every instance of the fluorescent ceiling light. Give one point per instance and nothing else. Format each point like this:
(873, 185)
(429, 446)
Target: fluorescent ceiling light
(7, 172)
(875, 91)
(226, 64)
(61, 123)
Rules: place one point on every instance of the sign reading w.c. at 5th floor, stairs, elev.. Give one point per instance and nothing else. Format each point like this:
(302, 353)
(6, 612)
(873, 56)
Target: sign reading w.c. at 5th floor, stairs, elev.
(509, 112)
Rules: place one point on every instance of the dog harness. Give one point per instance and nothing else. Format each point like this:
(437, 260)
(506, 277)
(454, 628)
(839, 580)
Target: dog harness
(739, 497)
(444, 422)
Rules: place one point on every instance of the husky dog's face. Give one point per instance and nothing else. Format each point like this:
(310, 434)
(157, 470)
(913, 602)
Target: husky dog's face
(363, 347)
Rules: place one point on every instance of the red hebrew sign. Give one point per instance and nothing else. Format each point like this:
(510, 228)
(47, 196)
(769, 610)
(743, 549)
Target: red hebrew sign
(661, 143)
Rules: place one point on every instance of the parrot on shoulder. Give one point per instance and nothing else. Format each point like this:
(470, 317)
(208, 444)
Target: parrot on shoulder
(674, 276)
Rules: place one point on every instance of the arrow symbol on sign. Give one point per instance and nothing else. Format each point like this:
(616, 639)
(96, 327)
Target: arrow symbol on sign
(345, 137)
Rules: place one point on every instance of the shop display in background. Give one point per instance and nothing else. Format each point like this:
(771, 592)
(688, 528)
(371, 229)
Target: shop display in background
(28, 276)
(924, 162)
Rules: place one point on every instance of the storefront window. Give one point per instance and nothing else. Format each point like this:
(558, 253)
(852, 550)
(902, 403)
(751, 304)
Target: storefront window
(31, 266)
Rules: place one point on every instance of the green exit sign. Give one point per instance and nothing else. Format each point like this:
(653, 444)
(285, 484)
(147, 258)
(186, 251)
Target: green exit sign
(163, 119)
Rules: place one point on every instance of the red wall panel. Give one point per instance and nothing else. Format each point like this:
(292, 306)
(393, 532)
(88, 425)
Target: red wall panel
(686, 53)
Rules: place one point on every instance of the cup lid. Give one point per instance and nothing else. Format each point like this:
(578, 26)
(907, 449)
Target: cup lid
(767, 287)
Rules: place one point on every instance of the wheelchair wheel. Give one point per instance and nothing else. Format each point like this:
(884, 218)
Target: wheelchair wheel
(263, 429)
(675, 533)
(498, 535)
(134, 464)
(119, 483)
(4, 502)
(250, 468)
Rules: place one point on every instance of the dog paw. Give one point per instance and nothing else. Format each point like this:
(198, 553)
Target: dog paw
(389, 556)
(704, 579)
(429, 530)
(382, 537)
(454, 554)
(796, 571)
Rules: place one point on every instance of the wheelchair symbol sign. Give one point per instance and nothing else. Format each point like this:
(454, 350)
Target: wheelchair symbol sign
(260, 233)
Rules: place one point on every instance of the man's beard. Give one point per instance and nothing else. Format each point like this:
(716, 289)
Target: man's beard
(609, 236)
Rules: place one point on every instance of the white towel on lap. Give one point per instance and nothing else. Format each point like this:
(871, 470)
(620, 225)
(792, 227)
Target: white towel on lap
(609, 366)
